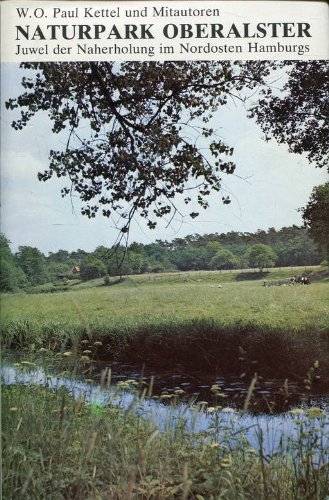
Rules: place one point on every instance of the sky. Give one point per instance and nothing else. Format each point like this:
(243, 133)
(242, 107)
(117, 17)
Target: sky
(269, 186)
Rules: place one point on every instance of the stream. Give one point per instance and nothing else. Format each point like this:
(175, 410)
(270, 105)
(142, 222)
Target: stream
(197, 409)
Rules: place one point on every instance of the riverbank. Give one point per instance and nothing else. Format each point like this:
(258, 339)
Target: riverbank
(60, 447)
(219, 327)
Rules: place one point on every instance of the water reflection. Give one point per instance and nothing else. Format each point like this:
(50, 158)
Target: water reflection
(269, 396)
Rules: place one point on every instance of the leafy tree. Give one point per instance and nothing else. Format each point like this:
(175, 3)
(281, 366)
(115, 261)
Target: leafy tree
(33, 263)
(60, 257)
(299, 115)
(92, 268)
(116, 262)
(78, 256)
(12, 276)
(224, 259)
(102, 253)
(137, 248)
(138, 132)
(316, 216)
(261, 256)
(191, 258)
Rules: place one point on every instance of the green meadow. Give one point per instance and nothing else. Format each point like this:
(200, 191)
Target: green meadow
(198, 320)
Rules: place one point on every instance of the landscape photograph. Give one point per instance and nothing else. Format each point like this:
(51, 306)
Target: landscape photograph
(165, 280)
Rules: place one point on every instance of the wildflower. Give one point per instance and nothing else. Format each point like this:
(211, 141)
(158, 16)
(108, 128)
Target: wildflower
(84, 341)
(13, 408)
(225, 463)
(85, 358)
(122, 384)
(251, 451)
(297, 411)
(87, 351)
(67, 354)
(228, 410)
(179, 391)
(97, 343)
(214, 445)
(211, 409)
(42, 349)
(316, 364)
(315, 412)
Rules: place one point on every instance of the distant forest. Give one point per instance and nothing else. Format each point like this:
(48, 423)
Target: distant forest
(289, 246)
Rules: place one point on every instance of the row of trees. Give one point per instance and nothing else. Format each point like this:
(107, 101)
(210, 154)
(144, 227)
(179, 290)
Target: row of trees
(287, 247)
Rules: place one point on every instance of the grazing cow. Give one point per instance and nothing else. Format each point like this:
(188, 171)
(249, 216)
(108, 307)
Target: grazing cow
(303, 280)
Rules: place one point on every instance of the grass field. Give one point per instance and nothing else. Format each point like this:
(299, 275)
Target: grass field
(193, 322)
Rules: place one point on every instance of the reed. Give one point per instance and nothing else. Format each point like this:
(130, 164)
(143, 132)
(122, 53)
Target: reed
(57, 447)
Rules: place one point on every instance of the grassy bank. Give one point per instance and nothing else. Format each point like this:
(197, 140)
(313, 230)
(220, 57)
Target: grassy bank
(242, 326)
(55, 447)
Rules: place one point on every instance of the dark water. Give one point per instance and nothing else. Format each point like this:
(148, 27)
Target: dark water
(268, 395)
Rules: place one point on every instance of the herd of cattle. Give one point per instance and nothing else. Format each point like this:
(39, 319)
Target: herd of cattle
(301, 280)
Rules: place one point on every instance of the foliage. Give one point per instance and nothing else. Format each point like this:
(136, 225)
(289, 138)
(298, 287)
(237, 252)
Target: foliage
(138, 132)
(261, 256)
(224, 259)
(292, 245)
(12, 277)
(33, 263)
(298, 116)
(92, 268)
(316, 216)
(107, 280)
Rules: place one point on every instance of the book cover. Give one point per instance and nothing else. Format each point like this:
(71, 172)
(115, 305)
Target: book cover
(164, 249)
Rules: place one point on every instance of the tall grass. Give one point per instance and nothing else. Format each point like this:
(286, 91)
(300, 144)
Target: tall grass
(57, 447)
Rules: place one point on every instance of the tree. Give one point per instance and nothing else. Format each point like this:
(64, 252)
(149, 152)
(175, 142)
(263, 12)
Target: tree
(60, 257)
(92, 268)
(147, 126)
(33, 263)
(12, 276)
(299, 114)
(261, 256)
(316, 216)
(224, 259)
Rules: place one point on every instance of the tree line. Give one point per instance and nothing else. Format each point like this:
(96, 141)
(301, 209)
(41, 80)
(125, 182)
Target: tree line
(289, 246)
